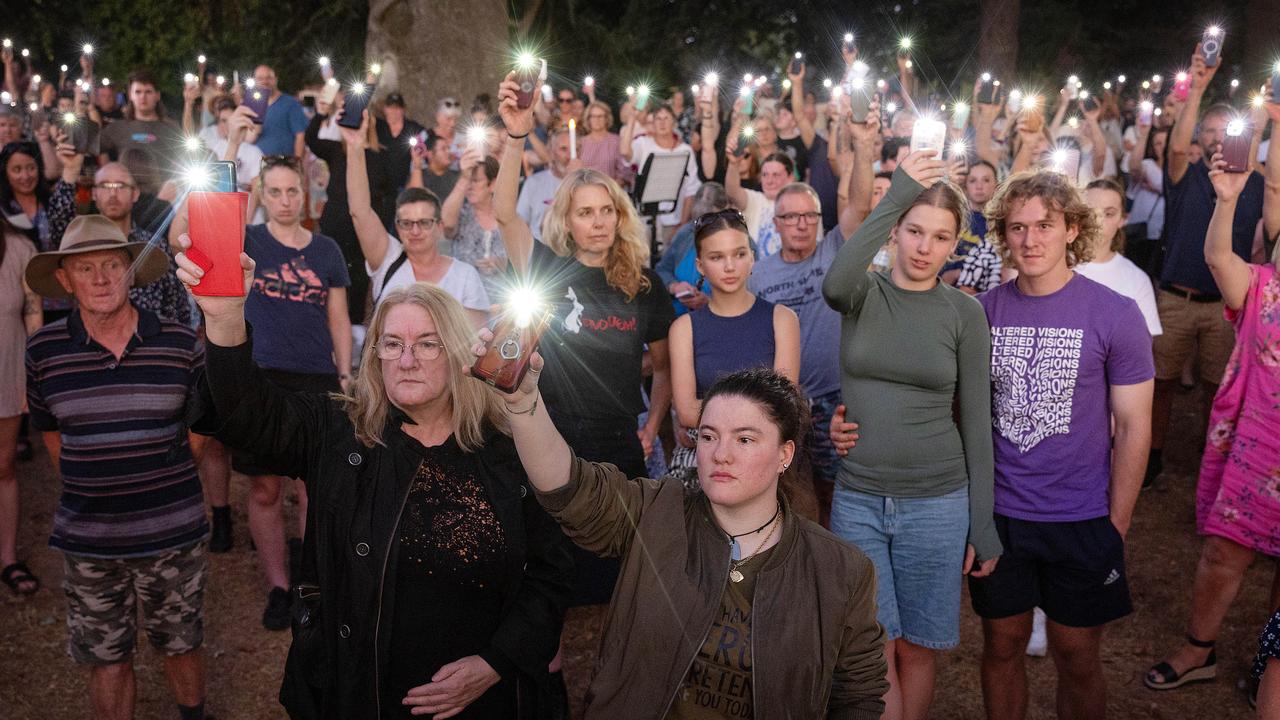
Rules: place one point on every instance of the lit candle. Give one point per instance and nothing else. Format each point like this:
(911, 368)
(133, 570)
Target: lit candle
(573, 139)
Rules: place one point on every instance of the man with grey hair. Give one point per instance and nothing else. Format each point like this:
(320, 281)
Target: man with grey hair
(676, 266)
(793, 277)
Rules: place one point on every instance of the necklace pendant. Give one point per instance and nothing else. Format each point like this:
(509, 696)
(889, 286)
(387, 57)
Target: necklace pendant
(735, 576)
(735, 550)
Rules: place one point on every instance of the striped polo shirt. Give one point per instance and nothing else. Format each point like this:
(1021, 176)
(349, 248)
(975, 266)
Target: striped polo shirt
(129, 483)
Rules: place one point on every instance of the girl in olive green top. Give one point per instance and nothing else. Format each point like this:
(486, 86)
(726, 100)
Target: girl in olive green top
(916, 485)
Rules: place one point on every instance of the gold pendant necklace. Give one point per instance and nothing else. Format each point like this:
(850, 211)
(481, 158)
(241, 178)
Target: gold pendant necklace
(735, 575)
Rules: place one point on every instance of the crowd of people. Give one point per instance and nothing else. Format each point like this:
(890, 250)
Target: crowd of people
(875, 344)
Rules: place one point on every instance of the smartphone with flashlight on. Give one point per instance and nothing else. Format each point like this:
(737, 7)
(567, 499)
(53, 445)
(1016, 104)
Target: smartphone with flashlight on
(859, 100)
(1146, 112)
(988, 90)
(848, 45)
(1275, 83)
(216, 229)
(357, 101)
(515, 337)
(1089, 104)
(257, 100)
(796, 65)
(530, 81)
(1066, 159)
(1211, 45)
(1182, 86)
(747, 139)
(1235, 146)
(81, 132)
(929, 134)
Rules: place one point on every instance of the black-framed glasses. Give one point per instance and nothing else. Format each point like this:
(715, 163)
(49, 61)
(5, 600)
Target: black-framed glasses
(729, 216)
(275, 161)
(425, 223)
(423, 350)
(795, 218)
(565, 99)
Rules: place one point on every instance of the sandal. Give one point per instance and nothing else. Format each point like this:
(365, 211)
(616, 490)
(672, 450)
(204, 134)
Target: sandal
(18, 573)
(1162, 676)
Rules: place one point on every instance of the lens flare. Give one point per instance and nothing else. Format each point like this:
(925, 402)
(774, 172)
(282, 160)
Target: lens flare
(88, 48)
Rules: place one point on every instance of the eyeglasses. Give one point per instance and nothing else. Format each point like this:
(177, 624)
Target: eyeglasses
(274, 161)
(111, 187)
(728, 215)
(795, 218)
(450, 103)
(423, 350)
(564, 99)
(424, 224)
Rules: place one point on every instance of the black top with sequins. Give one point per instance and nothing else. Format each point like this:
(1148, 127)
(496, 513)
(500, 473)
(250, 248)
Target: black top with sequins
(448, 580)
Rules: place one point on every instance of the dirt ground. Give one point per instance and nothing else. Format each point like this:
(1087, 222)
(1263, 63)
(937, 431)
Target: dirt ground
(39, 682)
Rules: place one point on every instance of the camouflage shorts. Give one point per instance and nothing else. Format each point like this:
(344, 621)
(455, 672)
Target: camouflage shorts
(102, 603)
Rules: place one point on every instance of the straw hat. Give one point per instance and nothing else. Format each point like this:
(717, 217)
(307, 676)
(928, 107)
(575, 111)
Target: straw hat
(91, 233)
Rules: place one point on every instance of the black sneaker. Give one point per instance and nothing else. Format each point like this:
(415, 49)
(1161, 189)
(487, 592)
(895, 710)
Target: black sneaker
(220, 538)
(276, 616)
(1155, 466)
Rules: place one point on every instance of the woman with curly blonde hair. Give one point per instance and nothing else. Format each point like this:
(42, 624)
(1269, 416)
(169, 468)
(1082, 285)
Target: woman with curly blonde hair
(591, 267)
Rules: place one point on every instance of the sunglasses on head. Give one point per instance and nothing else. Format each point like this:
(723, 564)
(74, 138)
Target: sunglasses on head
(730, 216)
(274, 161)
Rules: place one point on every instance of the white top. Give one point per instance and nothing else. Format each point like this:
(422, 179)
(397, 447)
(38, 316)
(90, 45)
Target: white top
(1148, 203)
(760, 226)
(1120, 274)
(462, 281)
(536, 195)
(644, 146)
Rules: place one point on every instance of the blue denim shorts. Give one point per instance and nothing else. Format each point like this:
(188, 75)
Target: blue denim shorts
(917, 545)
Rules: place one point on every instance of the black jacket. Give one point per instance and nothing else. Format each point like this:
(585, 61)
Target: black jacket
(356, 495)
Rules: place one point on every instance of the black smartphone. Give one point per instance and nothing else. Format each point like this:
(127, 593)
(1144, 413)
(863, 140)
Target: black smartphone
(257, 100)
(222, 174)
(1211, 45)
(796, 65)
(1090, 104)
(988, 90)
(357, 101)
(81, 132)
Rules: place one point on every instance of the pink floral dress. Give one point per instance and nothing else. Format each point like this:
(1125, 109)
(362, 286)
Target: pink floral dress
(1238, 495)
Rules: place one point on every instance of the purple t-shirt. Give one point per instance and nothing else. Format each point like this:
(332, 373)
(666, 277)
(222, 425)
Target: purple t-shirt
(1053, 359)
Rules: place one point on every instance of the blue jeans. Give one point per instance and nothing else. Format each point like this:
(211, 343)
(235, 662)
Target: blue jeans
(917, 545)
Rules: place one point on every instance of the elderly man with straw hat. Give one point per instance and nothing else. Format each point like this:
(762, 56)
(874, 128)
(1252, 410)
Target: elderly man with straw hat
(109, 387)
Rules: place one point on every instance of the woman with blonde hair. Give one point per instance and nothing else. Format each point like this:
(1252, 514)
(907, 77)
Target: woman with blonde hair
(592, 268)
(422, 519)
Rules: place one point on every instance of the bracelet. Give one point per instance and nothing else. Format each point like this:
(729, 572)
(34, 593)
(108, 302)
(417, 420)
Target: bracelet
(517, 137)
(528, 412)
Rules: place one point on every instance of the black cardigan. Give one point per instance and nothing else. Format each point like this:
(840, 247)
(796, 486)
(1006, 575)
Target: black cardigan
(356, 494)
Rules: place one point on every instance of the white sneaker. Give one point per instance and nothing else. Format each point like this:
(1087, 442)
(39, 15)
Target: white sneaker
(1038, 645)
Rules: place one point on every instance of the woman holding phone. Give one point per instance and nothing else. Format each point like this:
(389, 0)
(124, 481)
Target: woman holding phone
(735, 330)
(730, 604)
(591, 267)
(422, 520)
(471, 224)
(917, 491)
(1237, 504)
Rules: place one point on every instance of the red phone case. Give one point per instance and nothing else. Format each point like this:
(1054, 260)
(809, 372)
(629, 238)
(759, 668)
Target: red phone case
(216, 230)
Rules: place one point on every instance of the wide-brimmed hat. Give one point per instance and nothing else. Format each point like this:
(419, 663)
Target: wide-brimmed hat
(91, 233)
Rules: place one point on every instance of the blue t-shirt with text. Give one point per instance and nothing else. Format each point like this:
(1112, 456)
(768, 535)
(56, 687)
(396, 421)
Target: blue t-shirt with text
(285, 119)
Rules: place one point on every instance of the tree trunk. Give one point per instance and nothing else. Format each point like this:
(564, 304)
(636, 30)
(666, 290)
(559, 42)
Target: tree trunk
(1262, 17)
(998, 37)
(431, 49)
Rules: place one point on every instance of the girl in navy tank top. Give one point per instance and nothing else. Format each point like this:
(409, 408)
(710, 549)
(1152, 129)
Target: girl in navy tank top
(734, 331)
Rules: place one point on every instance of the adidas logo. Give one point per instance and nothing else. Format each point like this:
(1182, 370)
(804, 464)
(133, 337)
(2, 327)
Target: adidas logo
(1114, 576)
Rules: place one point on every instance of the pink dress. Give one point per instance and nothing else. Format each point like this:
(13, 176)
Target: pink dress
(1238, 495)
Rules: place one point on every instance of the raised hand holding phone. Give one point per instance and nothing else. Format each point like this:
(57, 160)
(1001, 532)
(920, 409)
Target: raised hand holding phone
(924, 166)
(518, 119)
(1226, 184)
(217, 309)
